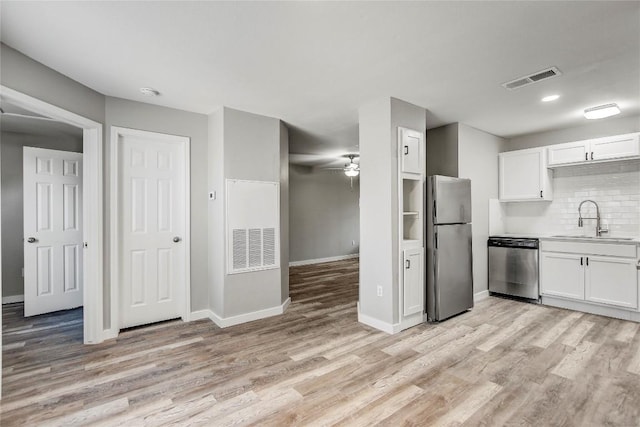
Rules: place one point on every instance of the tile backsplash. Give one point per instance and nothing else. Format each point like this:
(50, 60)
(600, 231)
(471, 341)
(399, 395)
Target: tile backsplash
(615, 186)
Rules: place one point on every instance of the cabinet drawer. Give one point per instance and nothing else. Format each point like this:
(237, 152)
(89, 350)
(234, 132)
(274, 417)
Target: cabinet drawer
(610, 249)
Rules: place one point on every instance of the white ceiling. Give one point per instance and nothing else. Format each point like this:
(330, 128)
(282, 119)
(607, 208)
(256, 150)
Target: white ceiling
(313, 64)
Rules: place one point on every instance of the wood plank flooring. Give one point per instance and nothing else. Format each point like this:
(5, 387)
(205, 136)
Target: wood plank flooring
(503, 363)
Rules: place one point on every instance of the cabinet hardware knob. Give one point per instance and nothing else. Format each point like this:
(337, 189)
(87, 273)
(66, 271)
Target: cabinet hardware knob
(581, 261)
(541, 194)
(407, 264)
(587, 261)
(406, 150)
(586, 156)
(592, 155)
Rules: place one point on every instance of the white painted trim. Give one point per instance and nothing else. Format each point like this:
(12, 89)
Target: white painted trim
(201, 314)
(378, 324)
(249, 317)
(321, 260)
(12, 299)
(92, 233)
(110, 334)
(116, 133)
(479, 296)
(587, 307)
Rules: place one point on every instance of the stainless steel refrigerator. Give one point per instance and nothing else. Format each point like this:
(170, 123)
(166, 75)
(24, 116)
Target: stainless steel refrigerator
(449, 268)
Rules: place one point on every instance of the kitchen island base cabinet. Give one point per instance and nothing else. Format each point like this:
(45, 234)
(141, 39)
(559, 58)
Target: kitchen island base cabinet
(612, 281)
(562, 275)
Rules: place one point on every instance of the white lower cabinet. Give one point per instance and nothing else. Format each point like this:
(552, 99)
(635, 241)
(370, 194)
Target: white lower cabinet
(583, 276)
(611, 281)
(413, 281)
(562, 275)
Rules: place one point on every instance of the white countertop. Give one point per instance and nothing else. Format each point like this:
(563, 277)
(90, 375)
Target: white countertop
(560, 236)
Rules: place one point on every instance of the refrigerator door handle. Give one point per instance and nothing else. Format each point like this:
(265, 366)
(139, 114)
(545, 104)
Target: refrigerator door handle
(435, 210)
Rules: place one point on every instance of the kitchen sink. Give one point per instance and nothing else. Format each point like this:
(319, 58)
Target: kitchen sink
(592, 237)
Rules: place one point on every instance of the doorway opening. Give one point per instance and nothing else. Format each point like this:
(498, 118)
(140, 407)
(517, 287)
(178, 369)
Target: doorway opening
(92, 231)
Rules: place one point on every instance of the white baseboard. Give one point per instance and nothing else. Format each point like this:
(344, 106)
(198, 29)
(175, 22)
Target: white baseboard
(321, 260)
(249, 317)
(12, 298)
(618, 313)
(109, 334)
(201, 314)
(479, 296)
(377, 324)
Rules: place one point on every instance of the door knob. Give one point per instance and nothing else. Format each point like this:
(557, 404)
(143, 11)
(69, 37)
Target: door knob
(176, 239)
(32, 240)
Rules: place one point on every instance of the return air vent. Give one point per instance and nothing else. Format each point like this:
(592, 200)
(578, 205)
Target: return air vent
(532, 78)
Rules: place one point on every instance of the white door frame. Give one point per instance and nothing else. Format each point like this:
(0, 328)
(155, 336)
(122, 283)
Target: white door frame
(116, 133)
(92, 232)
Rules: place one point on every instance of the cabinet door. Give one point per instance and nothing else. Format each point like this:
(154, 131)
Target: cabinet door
(614, 147)
(612, 281)
(413, 283)
(411, 150)
(572, 152)
(521, 175)
(562, 275)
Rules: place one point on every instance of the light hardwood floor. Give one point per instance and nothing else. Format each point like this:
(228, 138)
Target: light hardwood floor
(504, 362)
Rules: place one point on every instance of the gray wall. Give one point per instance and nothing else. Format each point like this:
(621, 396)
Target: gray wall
(478, 161)
(590, 129)
(442, 150)
(25, 75)
(137, 115)
(248, 147)
(12, 201)
(324, 214)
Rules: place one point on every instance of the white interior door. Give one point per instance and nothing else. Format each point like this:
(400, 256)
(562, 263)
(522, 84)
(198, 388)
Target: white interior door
(52, 230)
(152, 206)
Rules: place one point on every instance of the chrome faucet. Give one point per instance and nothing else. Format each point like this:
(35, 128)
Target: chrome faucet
(599, 229)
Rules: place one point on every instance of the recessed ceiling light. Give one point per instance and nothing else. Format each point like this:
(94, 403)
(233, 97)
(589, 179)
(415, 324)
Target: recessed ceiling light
(550, 98)
(601, 111)
(149, 91)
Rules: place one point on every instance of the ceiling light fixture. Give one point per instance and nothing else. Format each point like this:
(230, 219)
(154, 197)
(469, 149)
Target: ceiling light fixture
(601, 111)
(149, 91)
(550, 98)
(352, 169)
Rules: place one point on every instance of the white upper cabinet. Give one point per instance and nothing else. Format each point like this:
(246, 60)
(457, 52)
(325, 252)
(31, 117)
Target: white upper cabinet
(524, 175)
(412, 151)
(572, 152)
(594, 150)
(615, 147)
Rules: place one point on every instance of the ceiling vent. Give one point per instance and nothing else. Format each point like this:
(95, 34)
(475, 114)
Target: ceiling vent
(532, 78)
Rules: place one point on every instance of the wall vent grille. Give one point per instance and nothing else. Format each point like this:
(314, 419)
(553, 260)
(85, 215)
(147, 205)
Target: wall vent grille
(532, 78)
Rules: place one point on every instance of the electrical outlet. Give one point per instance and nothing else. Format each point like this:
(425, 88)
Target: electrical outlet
(379, 291)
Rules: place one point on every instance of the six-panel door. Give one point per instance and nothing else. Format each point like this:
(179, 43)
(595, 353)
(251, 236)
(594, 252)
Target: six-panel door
(52, 191)
(151, 207)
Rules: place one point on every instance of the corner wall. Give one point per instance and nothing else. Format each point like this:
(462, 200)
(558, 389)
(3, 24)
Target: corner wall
(478, 161)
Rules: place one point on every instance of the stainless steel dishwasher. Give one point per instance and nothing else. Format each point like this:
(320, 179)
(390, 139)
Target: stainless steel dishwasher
(513, 267)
